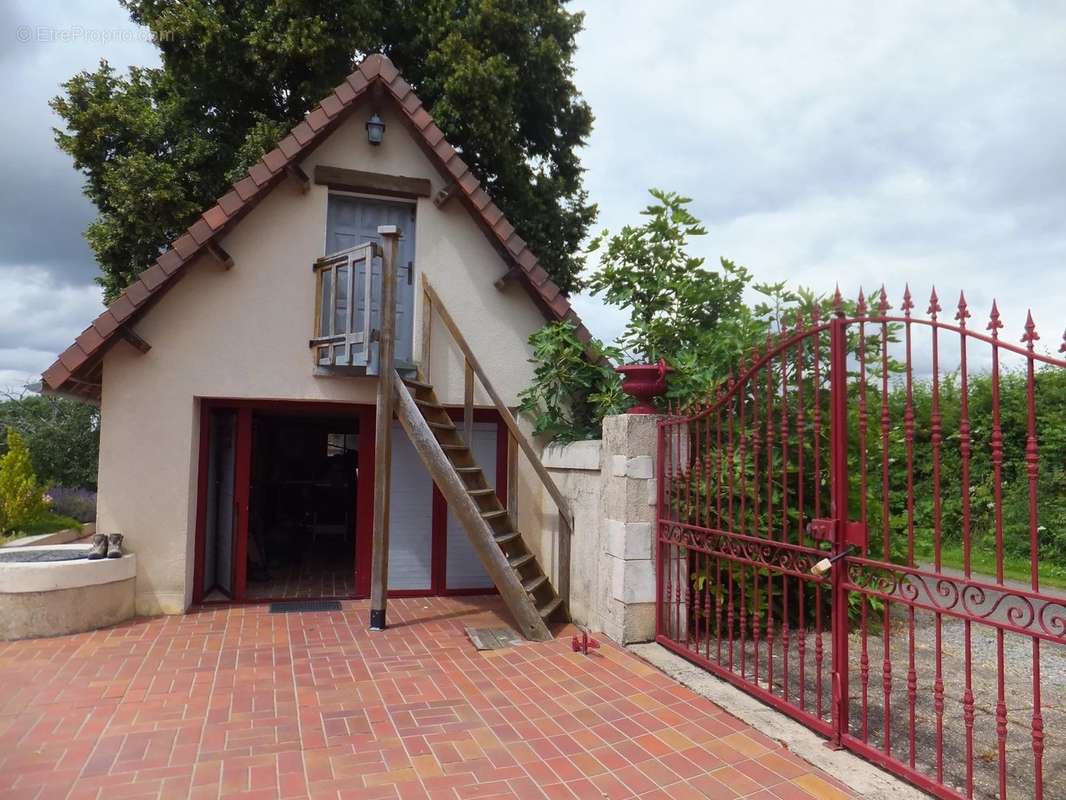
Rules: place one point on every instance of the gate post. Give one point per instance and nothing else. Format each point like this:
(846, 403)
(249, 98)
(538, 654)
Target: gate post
(838, 398)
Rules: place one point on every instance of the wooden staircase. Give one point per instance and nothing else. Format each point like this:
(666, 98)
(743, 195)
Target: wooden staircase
(522, 583)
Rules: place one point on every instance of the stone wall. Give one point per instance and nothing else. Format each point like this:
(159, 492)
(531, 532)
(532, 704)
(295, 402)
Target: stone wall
(611, 487)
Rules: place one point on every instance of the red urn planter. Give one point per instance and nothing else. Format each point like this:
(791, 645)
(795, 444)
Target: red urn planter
(644, 382)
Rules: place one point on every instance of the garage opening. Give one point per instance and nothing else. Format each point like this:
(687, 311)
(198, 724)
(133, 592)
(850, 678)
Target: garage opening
(302, 523)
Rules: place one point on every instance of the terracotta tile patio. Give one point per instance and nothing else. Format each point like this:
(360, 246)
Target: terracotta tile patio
(241, 703)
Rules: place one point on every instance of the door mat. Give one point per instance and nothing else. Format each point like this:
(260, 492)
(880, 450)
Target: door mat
(493, 638)
(297, 606)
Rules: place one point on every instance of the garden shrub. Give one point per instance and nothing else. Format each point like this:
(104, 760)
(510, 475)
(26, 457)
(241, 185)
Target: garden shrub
(22, 498)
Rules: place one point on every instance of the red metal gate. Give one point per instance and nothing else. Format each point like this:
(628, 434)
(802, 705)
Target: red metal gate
(910, 451)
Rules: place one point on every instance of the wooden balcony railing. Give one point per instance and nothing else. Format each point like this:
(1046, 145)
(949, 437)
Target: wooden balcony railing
(342, 331)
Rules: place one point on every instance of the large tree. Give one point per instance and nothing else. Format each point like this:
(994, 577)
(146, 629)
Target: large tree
(158, 145)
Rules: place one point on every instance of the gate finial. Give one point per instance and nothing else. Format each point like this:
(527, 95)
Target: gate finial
(963, 313)
(1030, 334)
(860, 305)
(908, 302)
(934, 305)
(994, 322)
(882, 304)
(838, 302)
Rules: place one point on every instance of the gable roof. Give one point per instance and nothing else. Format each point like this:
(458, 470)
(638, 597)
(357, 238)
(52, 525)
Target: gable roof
(78, 370)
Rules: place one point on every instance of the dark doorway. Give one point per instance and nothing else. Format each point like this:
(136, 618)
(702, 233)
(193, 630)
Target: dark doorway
(302, 527)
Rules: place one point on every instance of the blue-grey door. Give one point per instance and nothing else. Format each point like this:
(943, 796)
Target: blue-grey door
(352, 221)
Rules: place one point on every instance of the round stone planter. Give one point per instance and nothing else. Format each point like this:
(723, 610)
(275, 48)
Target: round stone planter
(51, 598)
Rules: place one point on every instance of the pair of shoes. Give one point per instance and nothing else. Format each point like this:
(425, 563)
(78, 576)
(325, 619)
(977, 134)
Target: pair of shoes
(109, 545)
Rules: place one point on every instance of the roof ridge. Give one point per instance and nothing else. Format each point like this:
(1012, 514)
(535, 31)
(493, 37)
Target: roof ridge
(268, 172)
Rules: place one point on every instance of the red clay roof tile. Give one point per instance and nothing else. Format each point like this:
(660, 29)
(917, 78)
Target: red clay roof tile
(480, 198)
(73, 357)
(257, 183)
(357, 80)
(275, 160)
(503, 229)
(153, 276)
(200, 231)
(90, 339)
(121, 308)
(491, 214)
(317, 119)
(105, 323)
(56, 375)
(303, 133)
(371, 65)
(186, 246)
(538, 275)
(170, 261)
(259, 173)
(331, 105)
(231, 202)
(137, 292)
(245, 188)
(421, 118)
(345, 93)
(399, 87)
(434, 135)
(215, 217)
(526, 259)
(469, 182)
(444, 150)
(515, 244)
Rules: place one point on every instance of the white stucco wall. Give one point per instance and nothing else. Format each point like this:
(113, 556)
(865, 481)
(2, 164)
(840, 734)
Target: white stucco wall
(244, 333)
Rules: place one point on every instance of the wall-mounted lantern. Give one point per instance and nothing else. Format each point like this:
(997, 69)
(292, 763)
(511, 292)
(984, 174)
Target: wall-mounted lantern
(375, 129)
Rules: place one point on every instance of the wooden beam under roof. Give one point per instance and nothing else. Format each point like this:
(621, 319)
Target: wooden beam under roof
(220, 255)
(296, 171)
(356, 180)
(131, 336)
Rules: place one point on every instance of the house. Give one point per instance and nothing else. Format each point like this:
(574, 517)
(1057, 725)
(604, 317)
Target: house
(238, 377)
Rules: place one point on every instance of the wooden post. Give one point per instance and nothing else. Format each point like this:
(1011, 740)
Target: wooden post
(427, 332)
(468, 404)
(379, 572)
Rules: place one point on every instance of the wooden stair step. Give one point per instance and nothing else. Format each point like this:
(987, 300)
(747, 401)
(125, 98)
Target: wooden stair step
(494, 514)
(479, 492)
(417, 384)
(504, 538)
(442, 426)
(428, 403)
(453, 447)
(468, 470)
(521, 560)
(549, 609)
(534, 583)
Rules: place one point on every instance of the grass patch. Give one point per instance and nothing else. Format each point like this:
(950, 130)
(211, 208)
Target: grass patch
(983, 562)
(49, 523)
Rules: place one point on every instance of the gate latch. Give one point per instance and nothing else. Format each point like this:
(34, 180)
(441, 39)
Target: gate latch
(856, 534)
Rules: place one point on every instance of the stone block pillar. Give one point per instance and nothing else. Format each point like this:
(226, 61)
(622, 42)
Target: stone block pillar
(627, 592)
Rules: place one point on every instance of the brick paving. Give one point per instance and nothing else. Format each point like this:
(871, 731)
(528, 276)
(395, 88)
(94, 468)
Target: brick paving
(236, 702)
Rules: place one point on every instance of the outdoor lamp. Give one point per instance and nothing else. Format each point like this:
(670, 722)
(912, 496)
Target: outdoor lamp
(375, 129)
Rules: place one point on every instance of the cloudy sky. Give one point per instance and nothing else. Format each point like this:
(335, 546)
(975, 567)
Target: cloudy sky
(851, 142)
